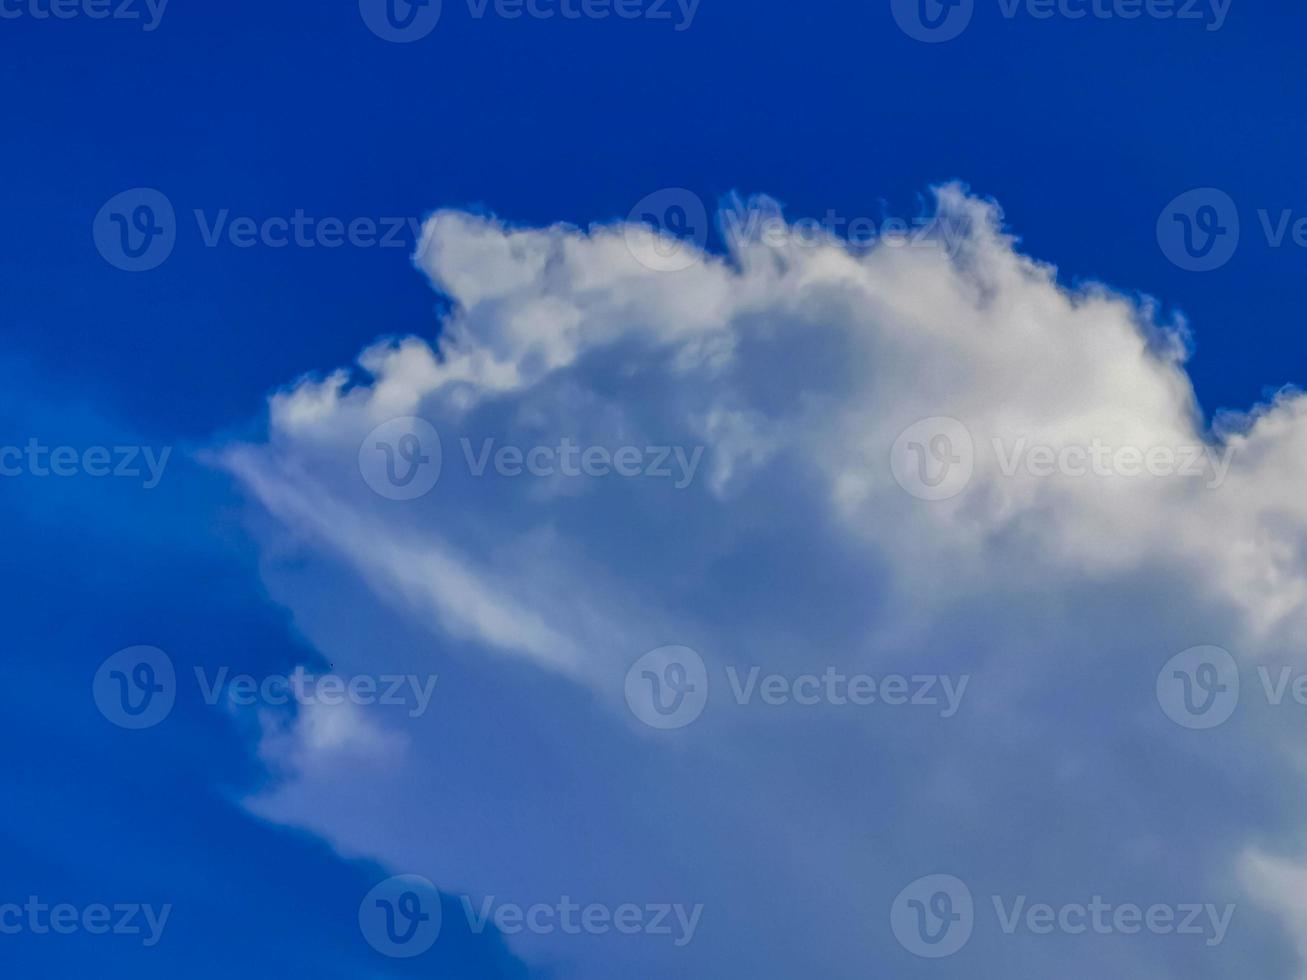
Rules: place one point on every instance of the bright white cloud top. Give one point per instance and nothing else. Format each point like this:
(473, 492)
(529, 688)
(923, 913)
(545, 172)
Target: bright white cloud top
(813, 460)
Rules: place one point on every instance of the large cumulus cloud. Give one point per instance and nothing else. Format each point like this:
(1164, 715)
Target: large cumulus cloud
(793, 367)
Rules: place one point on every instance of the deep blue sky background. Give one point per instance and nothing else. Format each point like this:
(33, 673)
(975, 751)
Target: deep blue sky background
(1083, 131)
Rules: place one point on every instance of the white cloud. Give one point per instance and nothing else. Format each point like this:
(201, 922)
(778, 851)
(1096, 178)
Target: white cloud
(796, 368)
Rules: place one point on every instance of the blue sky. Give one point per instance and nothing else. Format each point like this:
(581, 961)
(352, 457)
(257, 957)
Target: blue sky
(1082, 130)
